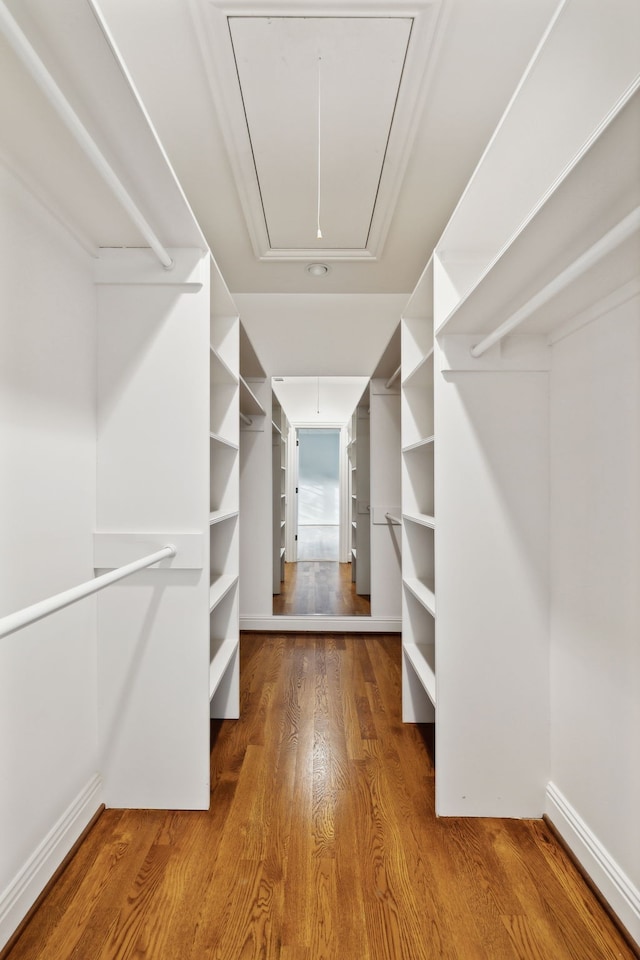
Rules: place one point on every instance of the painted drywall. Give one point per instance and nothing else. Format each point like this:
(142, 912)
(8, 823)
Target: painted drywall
(48, 726)
(595, 567)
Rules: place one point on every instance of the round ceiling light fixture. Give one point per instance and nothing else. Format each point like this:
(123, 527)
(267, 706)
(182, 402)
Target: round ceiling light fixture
(317, 269)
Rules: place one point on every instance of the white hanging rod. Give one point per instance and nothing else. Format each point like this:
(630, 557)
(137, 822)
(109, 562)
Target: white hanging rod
(67, 114)
(245, 419)
(606, 244)
(15, 621)
(392, 379)
(394, 519)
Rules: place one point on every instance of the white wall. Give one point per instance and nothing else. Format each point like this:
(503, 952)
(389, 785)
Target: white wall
(48, 725)
(595, 561)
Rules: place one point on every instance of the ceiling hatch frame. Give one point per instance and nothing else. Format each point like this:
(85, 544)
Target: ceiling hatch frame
(211, 21)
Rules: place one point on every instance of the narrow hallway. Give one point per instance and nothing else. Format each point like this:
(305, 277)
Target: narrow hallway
(321, 842)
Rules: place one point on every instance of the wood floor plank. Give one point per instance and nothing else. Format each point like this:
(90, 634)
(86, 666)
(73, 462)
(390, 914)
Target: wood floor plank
(321, 842)
(298, 888)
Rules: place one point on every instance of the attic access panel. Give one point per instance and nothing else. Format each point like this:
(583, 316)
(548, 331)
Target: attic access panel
(319, 96)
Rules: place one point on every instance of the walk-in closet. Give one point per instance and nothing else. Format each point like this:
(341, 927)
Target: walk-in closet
(435, 209)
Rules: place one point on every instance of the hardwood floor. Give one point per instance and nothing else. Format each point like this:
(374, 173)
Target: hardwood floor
(318, 542)
(321, 842)
(319, 587)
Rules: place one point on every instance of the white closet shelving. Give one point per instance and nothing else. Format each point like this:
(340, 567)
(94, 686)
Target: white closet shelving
(256, 498)
(250, 406)
(359, 464)
(577, 185)
(225, 386)
(280, 432)
(579, 252)
(418, 554)
(545, 239)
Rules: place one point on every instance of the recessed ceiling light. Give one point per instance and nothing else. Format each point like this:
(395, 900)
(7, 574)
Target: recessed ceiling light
(317, 269)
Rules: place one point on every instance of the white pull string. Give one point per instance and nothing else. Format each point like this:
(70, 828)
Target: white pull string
(319, 230)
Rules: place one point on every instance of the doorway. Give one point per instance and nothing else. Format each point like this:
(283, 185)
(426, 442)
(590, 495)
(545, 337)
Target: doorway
(312, 499)
(318, 514)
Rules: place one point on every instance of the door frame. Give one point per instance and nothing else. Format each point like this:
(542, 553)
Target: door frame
(291, 507)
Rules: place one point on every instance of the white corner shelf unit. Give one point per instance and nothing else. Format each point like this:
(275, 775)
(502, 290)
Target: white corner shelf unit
(418, 549)
(225, 385)
(358, 450)
(280, 435)
(256, 501)
(544, 241)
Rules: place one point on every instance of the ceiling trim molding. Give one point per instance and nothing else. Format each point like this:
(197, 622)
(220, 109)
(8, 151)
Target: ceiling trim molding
(214, 39)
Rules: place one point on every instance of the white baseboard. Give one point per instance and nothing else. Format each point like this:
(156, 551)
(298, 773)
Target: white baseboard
(612, 882)
(321, 624)
(23, 891)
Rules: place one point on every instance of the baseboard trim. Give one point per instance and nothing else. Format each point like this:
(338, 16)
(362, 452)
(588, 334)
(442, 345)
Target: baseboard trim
(17, 900)
(611, 883)
(321, 624)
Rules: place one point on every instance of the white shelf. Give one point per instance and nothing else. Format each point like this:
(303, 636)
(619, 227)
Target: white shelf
(420, 304)
(416, 653)
(222, 303)
(224, 453)
(219, 588)
(419, 444)
(422, 593)
(221, 372)
(422, 518)
(422, 373)
(595, 192)
(249, 403)
(218, 516)
(216, 438)
(223, 651)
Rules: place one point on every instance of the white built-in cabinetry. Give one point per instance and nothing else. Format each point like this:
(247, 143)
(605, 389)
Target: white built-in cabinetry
(385, 494)
(418, 550)
(280, 435)
(358, 450)
(519, 517)
(224, 676)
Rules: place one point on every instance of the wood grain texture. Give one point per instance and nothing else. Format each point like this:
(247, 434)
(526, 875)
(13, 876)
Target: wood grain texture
(319, 587)
(321, 842)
